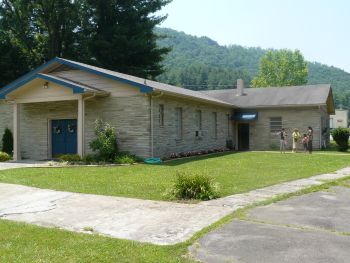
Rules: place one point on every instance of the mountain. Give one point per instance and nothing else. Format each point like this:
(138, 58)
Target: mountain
(200, 63)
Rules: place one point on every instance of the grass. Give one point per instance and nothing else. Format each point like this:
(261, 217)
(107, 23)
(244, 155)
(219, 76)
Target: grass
(234, 172)
(334, 148)
(26, 243)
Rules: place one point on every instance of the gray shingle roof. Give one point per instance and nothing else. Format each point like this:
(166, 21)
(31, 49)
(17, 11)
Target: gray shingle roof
(177, 91)
(275, 96)
(254, 97)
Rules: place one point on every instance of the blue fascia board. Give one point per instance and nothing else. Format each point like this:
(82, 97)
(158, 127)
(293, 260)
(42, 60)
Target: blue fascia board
(76, 89)
(24, 79)
(29, 76)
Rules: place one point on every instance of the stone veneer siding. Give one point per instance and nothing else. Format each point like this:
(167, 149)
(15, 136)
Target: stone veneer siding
(129, 115)
(165, 137)
(262, 139)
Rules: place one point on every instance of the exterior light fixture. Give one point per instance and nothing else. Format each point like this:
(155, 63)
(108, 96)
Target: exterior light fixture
(46, 85)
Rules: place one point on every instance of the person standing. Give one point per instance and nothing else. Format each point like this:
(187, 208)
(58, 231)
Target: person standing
(304, 141)
(283, 140)
(310, 137)
(296, 136)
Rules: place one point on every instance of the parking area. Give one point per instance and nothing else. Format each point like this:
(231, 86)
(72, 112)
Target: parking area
(309, 228)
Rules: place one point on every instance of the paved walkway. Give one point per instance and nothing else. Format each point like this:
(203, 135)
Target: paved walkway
(23, 164)
(141, 220)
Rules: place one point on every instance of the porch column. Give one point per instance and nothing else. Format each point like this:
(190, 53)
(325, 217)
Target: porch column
(16, 132)
(81, 117)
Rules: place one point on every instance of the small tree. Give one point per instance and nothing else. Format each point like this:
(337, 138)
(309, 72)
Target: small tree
(7, 142)
(280, 68)
(106, 142)
(341, 137)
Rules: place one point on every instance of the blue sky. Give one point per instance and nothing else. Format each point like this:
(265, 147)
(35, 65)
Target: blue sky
(320, 29)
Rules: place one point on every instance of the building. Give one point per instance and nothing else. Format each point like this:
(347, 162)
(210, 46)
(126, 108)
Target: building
(52, 111)
(339, 119)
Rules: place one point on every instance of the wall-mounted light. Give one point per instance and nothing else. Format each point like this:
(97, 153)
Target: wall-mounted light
(46, 85)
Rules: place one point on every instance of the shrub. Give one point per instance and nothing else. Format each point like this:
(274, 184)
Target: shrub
(89, 159)
(341, 137)
(194, 186)
(4, 157)
(126, 158)
(7, 142)
(106, 142)
(70, 158)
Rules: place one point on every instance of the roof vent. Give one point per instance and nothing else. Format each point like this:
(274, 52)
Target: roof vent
(240, 87)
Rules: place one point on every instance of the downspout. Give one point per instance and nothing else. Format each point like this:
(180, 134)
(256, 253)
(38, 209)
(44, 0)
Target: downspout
(152, 130)
(319, 107)
(152, 95)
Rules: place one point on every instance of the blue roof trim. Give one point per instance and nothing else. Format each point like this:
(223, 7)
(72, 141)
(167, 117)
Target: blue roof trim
(143, 88)
(22, 80)
(76, 89)
(32, 75)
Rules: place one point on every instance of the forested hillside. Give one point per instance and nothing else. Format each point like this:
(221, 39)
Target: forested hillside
(201, 63)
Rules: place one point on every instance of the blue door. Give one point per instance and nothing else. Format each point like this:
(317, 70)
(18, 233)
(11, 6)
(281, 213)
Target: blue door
(64, 137)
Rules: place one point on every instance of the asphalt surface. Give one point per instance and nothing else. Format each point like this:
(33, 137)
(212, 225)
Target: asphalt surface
(309, 228)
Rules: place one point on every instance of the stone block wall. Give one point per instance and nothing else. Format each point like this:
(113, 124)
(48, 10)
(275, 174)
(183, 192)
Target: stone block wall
(262, 139)
(129, 115)
(166, 140)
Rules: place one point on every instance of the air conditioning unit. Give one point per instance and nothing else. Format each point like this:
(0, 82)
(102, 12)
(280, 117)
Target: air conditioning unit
(199, 134)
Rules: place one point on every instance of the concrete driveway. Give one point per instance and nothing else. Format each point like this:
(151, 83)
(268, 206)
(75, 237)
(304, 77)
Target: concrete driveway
(309, 228)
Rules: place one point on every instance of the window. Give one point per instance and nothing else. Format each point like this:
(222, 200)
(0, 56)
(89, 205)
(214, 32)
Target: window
(215, 125)
(198, 120)
(161, 115)
(275, 124)
(178, 122)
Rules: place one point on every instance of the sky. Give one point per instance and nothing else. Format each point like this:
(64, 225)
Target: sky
(320, 29)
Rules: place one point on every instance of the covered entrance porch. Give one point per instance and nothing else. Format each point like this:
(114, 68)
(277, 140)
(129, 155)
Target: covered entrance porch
(48, 116)
(44, 130)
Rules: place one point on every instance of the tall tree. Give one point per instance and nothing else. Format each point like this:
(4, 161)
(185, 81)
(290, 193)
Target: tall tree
(281, 68)
(123, 38)
(57, 24)
(116, 34)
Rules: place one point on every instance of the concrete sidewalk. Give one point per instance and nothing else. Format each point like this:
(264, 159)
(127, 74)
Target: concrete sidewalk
(23, 164)
(156, 222)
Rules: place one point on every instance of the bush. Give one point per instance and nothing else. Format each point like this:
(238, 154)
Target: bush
(89, 159)
(106, 142)
(70, 158)
(126, 158)
(4, 157)
(7, 142)
(194, 186)
(341, 137)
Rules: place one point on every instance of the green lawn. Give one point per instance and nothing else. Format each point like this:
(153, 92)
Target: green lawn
(26, 243)
(234, 172)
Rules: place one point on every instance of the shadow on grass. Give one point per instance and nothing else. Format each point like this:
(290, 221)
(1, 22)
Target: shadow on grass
(195, 158)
